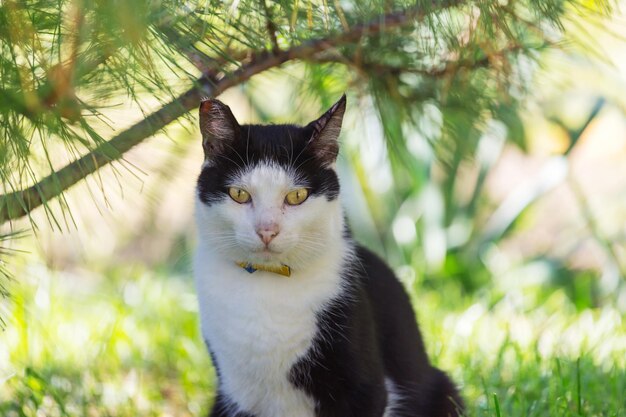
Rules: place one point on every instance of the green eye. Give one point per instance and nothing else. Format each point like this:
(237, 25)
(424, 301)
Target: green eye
(239, 195)
(296, 197)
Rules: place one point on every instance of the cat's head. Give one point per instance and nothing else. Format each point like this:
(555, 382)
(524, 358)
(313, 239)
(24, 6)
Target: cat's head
(269, 194)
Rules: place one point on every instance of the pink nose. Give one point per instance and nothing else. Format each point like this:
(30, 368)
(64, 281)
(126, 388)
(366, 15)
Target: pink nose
(267, 234)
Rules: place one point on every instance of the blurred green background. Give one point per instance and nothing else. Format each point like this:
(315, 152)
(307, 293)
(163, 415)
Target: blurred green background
(482, 155)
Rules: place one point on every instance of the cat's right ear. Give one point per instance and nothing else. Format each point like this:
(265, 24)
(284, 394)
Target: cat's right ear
(218, 127)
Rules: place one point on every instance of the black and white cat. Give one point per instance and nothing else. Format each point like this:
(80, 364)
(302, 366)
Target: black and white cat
(299, 319)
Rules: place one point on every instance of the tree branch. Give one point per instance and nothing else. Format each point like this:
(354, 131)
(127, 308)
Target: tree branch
(271, 27)
(20, 203)
(444, 69)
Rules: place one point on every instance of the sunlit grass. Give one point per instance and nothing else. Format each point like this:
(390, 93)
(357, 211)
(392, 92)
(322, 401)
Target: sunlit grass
(122, 344)
(126, 343)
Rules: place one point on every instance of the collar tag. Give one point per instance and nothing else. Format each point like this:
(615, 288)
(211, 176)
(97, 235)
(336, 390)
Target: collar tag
(280, 270)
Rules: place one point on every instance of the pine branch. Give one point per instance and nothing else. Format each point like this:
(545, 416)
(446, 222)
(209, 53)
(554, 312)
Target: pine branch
(20, 203)
(66, 74)
(271, 27)
(445, 69)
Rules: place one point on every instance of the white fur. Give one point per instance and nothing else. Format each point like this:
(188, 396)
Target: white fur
(259, 325)
(394, 399)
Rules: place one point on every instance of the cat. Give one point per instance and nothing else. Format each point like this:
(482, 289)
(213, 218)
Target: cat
(300, 320)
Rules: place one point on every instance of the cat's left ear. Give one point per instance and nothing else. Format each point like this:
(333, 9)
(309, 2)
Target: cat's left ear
(326, 131)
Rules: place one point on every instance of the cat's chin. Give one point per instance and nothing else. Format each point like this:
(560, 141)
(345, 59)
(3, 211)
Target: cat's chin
(266, 256)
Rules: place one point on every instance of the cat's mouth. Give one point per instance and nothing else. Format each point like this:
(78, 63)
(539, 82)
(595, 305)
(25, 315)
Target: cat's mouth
(266, 252)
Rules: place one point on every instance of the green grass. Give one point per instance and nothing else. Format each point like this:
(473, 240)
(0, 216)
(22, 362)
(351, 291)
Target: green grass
(126, 343)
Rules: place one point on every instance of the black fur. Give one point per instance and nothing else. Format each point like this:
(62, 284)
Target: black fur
(367, 335)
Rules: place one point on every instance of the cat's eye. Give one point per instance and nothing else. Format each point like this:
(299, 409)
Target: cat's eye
(239, 195)
(296, 197)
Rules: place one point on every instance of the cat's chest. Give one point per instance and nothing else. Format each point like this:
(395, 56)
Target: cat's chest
(258, 326)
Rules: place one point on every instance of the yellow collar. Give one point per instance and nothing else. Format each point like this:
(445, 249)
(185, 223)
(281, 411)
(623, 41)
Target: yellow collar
(280, 270)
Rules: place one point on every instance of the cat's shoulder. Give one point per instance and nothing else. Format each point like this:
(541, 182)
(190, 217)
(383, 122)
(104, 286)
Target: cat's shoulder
(378, 280)
(369, 264)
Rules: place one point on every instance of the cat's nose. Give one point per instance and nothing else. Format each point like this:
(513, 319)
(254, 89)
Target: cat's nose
(267, 233)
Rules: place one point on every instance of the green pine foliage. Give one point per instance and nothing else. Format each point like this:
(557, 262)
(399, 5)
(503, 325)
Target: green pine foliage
(63, 63)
